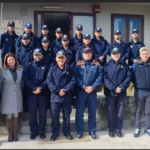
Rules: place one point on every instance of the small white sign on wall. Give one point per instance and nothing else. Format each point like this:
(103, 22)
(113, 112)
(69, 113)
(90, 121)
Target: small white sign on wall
(18, 26)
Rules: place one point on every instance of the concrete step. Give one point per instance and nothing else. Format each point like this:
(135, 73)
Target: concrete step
(25, 129)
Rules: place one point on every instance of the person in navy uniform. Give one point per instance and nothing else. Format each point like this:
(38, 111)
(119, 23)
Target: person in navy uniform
(44, 34)
(24, 56)
(117, 77)
(134, 45)
(8, 40)
(77, 40)
(47, 52)
(86, 44)
(88, 75)
(57, 42)
(34, 77)
(141, 80)
(61, 82)
(68, 50)
(101, 46)
(28, 31)
(118, 43)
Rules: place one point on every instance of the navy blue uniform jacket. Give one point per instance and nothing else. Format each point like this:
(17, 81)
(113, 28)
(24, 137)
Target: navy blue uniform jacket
(116, 75)
(57, 80)
(34, 76)
(88, 74)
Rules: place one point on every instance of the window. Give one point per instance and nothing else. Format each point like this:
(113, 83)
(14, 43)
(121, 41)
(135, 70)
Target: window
(126, 23)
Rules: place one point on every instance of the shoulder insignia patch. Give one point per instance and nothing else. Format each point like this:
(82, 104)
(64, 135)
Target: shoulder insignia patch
(80, 62)
(95, 62)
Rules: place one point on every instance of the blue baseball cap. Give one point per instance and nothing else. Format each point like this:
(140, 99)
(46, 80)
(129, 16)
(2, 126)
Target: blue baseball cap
(45, 39)
(135, 31)
(117, 32)
(58, 30)
(37, 51)
(79, 27)
(115, 50)
(65, 37)
(45, 27)
(28, 25)
(87, 50)
(86, 36)
(11, 23)
(98, 29)
(25, 36)
(61, 53)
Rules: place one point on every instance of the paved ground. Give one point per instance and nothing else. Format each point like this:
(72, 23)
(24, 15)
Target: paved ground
(103, 142)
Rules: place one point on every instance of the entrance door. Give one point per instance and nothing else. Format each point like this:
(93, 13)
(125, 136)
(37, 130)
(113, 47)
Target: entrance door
(53, 20)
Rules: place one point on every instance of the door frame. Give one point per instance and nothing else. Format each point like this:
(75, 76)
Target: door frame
(71, 14)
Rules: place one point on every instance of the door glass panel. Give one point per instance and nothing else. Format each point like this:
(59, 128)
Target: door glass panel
(135, 23)
(120, 24)
(86, 22)
(39, 24)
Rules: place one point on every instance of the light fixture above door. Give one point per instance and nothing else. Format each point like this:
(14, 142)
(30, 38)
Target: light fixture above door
(52, 7)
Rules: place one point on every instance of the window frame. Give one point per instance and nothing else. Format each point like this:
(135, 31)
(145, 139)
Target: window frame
(127, 16)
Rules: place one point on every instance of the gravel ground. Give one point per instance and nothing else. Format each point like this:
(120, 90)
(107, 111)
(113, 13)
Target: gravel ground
(102, 142)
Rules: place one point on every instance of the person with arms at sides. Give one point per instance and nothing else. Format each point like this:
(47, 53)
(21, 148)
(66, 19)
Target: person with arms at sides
(57, 42)
(28, 31)
(77, 40)
(101, 46)
(116, 77)
(11, 94)
(34, 77)
(134, 46)
(61, 83)
(86, 44)
(141, 81)
(47, 52)
(88, 75)
(68, 50)
(8, 40)
(44, 34)
(24, 56)
(121, 45)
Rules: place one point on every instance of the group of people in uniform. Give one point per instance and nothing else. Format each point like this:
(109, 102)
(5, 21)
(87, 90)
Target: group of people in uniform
(39, 74)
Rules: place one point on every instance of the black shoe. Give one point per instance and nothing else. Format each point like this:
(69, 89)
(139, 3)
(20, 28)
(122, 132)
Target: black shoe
(42, 136)
(53, 137)
(111, 134)
(33, 136)
(119, 133)
(79, 135)
(93, 135)
(68, 136)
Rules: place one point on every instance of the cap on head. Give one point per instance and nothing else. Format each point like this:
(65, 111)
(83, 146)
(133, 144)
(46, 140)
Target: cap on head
(98, 29)
(135, 31)
(86, 36)
(115, 50)
(60, 53)
(11, 23)
(79, 27)
(37, 51)
(87, 50)
(28, 25)
(58, 30)
(117, 32)
(65, 37)
(45, 27)
(25, 36)
(45, 39)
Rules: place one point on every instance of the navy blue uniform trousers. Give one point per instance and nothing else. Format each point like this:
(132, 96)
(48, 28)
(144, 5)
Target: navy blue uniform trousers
(115, 106)
(55, 109)
(39, 102)
(91, 101)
